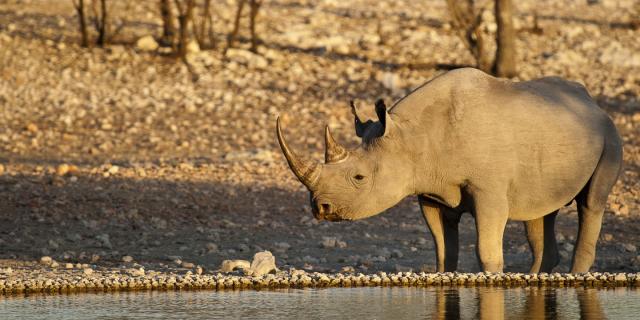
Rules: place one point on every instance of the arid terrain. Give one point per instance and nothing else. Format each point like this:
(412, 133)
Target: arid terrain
(116, 151)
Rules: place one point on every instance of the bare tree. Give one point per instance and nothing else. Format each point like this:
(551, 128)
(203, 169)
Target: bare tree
(168, 25)
(203, 27)
(467, 20)
(101, 21)
(236, 26)
(185, 15)
(82, 22)
(505, 64)
(254, 6)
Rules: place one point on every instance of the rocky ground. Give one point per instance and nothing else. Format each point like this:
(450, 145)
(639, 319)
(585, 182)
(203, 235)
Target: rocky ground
(118, 157)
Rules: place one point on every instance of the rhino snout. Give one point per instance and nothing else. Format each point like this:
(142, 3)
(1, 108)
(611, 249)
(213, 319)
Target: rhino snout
(322, 210)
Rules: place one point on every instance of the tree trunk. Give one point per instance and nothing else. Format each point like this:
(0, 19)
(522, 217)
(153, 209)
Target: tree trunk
(505, 64)
(185, 11)
(203, 27)
(101, 22)
(467, 23)
(168, 27)
(236, 25)
(254, 6)
(82, 23)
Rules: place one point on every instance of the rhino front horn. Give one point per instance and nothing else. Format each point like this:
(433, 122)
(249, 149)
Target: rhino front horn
(306, 171)
(334, 152)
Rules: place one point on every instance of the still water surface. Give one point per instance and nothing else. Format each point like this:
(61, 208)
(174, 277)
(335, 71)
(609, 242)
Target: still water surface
(335, 303)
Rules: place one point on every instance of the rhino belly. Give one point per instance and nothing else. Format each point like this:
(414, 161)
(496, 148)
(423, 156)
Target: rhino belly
(549, 174)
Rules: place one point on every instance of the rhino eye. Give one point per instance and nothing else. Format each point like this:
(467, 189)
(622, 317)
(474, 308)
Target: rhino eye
(358, 177)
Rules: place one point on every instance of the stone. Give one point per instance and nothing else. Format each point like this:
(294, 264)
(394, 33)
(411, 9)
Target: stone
(2, 169)
(46, 260)
(127, 259)
(54, 264)
(187, 265)
(230, 265)
(263, 262)
(53, 244)
(248, 58)
(68, 266)
(630, 247)
(136, 272)
(400, 268)
(63, 169)
(282, 247)
(147, 43)
(347, 269)
(391, 81)
(87, 271)
(328, 242)
(212, 247)
(32, 127)
(618, 54)
(104, 240)
(193, 47)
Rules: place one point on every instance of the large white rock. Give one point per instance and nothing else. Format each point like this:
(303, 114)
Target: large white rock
(263, 262)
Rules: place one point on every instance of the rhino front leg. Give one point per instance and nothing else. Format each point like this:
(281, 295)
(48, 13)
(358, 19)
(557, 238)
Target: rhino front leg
(542, 240)
(443, 224)
(491, 215)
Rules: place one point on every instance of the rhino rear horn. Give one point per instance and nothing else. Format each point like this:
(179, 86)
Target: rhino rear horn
(306, 171)
(333, 152)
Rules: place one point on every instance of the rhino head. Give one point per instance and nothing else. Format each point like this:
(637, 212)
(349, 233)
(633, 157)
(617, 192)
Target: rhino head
(358, 183)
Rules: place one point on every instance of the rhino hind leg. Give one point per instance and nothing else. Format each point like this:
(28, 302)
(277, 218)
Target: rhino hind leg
(542, 241)
(591, 202)
(443, 224)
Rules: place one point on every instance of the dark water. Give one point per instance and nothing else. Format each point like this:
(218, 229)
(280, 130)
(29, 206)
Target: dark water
(338, 303)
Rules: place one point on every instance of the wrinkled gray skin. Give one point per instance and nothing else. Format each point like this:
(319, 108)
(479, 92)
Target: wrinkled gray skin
(468, 142)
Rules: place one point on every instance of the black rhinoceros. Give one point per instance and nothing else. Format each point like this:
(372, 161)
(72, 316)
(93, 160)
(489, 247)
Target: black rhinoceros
(468, 142)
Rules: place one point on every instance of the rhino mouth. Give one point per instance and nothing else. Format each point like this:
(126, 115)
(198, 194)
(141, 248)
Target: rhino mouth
(329, 216)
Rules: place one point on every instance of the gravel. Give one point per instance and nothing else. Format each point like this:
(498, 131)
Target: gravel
(17, 282)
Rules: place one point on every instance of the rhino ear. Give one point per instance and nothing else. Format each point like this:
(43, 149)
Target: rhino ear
(360, 125)
(383, 117)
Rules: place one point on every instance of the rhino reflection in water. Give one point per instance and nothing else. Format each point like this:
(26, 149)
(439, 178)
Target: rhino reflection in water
(539, 303)
(468, 142)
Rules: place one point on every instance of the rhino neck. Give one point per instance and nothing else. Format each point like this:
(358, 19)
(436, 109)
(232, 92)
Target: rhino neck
(434, 164)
